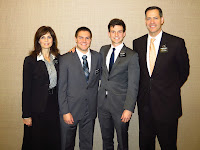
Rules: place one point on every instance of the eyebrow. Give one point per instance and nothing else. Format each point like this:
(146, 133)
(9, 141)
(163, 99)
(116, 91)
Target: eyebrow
(116, 31)
(84, 36)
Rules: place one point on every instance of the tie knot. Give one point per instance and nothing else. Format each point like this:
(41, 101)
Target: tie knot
(152, 40)
(114, 49)
(84, 57)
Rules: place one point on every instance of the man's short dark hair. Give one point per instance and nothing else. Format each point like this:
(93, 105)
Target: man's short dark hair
(154, 7)
(83, 29)
(117, 21)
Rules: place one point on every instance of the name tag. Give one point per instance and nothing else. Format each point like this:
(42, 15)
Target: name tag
(164, 49)
(122, 54)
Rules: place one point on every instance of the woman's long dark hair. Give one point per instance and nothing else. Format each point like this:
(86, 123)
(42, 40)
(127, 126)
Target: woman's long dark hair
(40, 32)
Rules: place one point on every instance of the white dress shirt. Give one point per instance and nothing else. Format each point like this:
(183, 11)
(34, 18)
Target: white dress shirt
(116, 53)
(88, 54)
(156, 44)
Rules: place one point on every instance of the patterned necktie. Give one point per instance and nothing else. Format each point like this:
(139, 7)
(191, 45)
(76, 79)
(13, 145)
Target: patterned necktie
(112, 59)
(152, 55)
(85, 67)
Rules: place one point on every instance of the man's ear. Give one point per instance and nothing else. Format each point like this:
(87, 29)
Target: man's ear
(162, 20)
(124, 33)
(75, 39)
(108, 34)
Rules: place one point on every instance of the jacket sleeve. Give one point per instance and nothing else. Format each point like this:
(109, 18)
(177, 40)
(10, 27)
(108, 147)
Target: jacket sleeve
(27, 88)
(134, 47)
(183, 62)
(62, 86)
(133, 83)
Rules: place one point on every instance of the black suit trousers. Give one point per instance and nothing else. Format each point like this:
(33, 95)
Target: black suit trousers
(166, 132)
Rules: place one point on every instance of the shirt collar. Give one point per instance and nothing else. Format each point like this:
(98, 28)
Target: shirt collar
(158, 37)
(41, 57)
(80, 54)
(117, 47)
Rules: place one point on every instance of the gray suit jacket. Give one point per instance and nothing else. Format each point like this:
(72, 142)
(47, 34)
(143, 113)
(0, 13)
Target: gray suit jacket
(75, 95)
(122, 82)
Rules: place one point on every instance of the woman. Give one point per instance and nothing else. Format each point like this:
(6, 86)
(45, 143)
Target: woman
(39, 97)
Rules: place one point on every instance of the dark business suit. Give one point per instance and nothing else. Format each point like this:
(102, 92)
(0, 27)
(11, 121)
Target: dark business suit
(159, 98)
(79, 98)
(41, 106)
(121, 86)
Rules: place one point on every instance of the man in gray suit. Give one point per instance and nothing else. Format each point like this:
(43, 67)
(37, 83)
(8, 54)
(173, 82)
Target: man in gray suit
(119, 87)
(79, 75)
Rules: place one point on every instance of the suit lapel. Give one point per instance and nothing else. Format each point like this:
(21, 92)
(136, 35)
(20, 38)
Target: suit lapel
(93, 65)
(79, 66)
(104, 58)
(159, 58)
(43, 69)
(55, 62)
(143, 55)
(123, 50)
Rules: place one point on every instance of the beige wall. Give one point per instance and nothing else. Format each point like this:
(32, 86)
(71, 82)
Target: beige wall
(19, 20)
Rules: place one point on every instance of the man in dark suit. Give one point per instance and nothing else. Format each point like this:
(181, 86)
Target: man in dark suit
(77, 94)
(164, 68)
(119, 87)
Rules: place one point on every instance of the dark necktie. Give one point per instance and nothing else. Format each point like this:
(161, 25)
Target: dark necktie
(112, 59)
(85, 67)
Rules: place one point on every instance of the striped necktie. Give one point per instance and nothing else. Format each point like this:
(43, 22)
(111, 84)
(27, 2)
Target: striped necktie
(85, 67)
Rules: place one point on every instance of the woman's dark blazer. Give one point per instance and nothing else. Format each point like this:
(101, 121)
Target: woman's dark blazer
(35, 86)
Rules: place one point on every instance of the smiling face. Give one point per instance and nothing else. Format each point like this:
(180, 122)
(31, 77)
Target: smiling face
(83, 41)
(116, 35)
(154, 22)
(46, 41)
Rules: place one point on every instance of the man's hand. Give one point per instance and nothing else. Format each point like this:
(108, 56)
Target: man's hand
(68, 118)
(72, 50)
(27, 121)
(126, 116)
